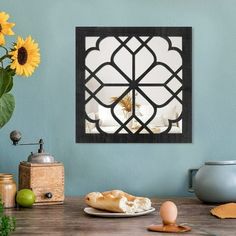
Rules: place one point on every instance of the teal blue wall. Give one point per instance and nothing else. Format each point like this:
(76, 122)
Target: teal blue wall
(45, 103)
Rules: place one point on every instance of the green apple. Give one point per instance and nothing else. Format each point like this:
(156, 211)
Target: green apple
(25, 197)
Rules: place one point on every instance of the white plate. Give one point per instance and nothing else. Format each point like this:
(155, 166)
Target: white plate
(95, 212)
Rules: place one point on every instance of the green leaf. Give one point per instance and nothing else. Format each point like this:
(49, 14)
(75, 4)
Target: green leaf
(10, 71)
(7, 223)
(7, 106)
(1, 206)
(6, 81)
(10, 85)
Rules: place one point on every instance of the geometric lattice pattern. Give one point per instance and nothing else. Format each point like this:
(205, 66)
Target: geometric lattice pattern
(145, 71)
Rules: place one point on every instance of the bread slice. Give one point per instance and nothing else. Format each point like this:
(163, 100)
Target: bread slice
(117, 201)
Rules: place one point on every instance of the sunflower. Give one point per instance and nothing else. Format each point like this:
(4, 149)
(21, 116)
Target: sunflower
(25, 56)
(5, 27)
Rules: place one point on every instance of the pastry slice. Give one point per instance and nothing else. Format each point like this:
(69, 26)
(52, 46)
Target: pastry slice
(117, 201)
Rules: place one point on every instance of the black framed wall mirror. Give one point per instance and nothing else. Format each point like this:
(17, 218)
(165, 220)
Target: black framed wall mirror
(133, 84)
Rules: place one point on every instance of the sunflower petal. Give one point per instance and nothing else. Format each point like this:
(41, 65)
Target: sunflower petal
(6, 28)
(2, 39)
(3, 16)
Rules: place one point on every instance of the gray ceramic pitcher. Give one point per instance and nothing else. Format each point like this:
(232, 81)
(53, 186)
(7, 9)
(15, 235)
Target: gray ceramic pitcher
(214, 182)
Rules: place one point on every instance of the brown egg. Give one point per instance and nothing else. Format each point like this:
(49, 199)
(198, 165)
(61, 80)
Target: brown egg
(168, 213)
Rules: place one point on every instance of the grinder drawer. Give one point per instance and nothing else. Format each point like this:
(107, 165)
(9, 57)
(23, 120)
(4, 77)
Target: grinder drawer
(47, 195)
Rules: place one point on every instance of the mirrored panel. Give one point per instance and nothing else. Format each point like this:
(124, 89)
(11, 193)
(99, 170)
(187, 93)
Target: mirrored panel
(133, 84)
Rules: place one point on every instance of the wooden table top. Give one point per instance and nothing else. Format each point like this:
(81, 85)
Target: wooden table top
(69, 219)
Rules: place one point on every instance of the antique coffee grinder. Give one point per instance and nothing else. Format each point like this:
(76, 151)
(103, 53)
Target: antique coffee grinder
(41, 173)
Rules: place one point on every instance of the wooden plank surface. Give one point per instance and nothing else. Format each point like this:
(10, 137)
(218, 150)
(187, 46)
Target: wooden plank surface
(69, 219)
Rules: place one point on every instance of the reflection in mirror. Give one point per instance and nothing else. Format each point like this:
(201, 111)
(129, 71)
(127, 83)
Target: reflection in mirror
(133, 85)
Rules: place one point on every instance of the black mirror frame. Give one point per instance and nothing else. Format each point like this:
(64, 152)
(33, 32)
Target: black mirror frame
(185, 136)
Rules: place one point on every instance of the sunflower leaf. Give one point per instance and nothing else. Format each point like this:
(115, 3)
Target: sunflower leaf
(10, 85)
(6, 81)
(7, 106)
(10, 71)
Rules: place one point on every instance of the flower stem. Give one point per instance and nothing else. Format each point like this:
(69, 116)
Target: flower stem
(5, 49)
(4, 57)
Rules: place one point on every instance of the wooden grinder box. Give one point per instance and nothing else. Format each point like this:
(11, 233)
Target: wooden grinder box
(45, 180)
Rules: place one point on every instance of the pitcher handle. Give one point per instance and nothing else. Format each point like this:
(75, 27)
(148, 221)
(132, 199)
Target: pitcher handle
(191, 174)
